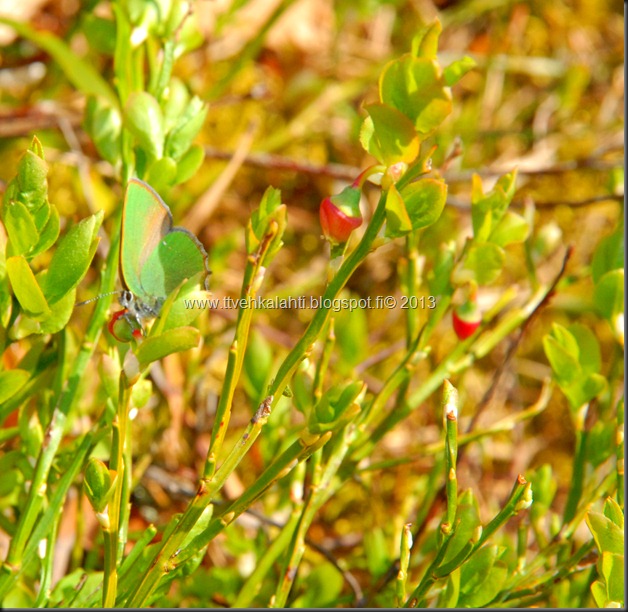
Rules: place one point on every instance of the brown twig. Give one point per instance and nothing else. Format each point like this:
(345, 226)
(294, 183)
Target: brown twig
(514, 344)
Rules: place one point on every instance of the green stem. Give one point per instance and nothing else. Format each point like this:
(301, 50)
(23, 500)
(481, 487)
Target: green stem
(462, 357)
(55, 507)
(162, 77)
(112, 533)
(168, 555)
(254, 582)
(250, 285)
(410, 285)
(320, 490)
(577, 477)
(619, 440)
(513, 596)
(47, 564)
(303, 448)
(404, 561)
(304, 344)
(429, 577)
(296, 546)
(110, 577)
(323, 363)
(375, 413)
(56, 428)
(518, 499)
(450, 408)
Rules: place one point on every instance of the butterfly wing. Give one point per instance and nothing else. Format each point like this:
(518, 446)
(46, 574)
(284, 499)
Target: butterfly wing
(178, 256)
(146, 220)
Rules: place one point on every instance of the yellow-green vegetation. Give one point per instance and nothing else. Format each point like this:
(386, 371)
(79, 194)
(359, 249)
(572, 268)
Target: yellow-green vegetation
(401, 385)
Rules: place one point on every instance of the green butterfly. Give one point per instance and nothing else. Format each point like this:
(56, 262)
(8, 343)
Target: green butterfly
(155, 257)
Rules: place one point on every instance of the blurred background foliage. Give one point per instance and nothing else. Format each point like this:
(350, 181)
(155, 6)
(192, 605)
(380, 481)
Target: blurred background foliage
(286, 82)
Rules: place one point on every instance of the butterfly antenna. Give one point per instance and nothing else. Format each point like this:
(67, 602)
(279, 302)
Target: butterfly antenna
(98, 297)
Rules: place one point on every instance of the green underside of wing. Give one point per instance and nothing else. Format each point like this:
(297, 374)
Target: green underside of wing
(178, 256)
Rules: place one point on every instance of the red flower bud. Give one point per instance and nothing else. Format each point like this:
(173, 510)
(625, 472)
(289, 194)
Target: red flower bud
(340, 214)
(124, 328)
(466, 319)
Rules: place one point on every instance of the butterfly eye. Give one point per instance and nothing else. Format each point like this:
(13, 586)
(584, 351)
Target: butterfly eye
(126, 299)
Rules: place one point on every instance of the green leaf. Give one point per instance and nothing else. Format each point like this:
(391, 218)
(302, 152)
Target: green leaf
(598, 590)
(452, 592)
(564, 364)
(174, 102)
(613, 572)
(544, 487)
(20, 226)
(484, 261)
(104, 124)
(589, 354)
(398, 221)
(424, 200)
(199, 526)
(561, 350)
(425, 43)
(60, 313)
(180, 138)
(351, 331)
(337, 406)
(321, 588)
(582, 391)
(608, 294)
(512, 228)
(415, 87)
(83, 75)
(71, 259)
(178, 315)
(607, 535)
(162, 174)
(171, 341)
(98, 483)
(49, 233)
(143, 118)
(440, 277)
(258, 361)
(189, 164)
(100, 33)
(613, 511)
(457, 69)
(29, 187)
(376, 549)
(467, 523)
(69, 588)
(609, 255)
(574, 355)
(391, 137)
(11, 382)
(26, 288)
(488, 209)
(270, 211)
(481, 578)
(301, 387)
(418, 205)
(566, 339)
(600, 444)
